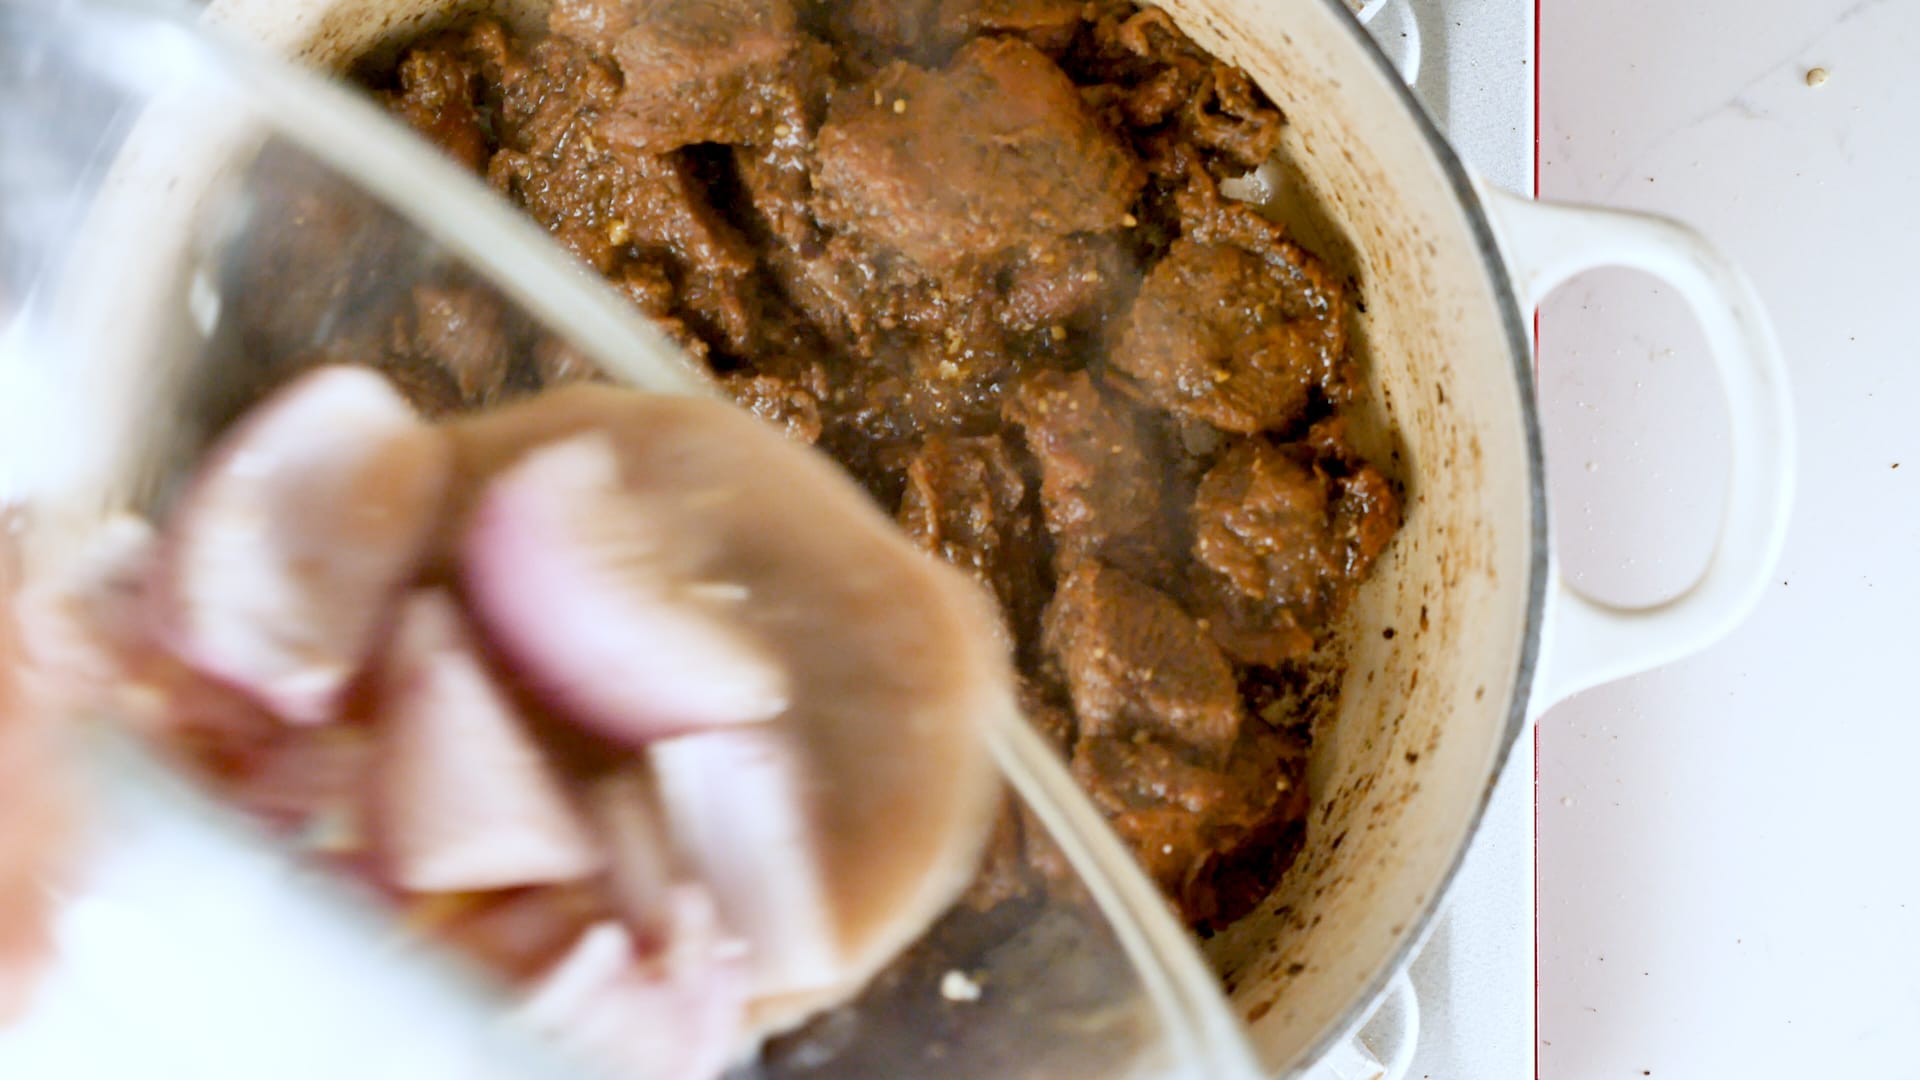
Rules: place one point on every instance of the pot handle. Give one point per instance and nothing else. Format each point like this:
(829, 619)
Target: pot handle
(1383, 1047)
(1588, 642)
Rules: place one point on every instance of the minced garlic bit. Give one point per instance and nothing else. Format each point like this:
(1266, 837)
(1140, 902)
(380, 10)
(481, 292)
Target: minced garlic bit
(781, 131)
(619, 231)
(1129, 220)
(1058, 333)
(1817, 77)
(957, 986)
(899, 105)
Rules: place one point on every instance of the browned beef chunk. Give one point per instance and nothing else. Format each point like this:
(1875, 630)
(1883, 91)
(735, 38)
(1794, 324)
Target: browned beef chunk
(788, 404)
(994, 152)
(1281, 543)
(697, 71)
(1136, 663)
(597, 24)
(922, 279)
(430, 390)
(965, 501)
(1076, 284)
(437, 95)
(776, 188)
(871, 32)
(927, 31)
(606, 202)
(1100, 488)
(1159, 80)
(1193, 825)
(1225, 335)
(460, 330)
(556, 363)
(1045, 704)
(1048, 25)
(544, 92)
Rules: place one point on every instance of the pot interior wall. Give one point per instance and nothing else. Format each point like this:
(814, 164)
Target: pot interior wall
(1435, 642)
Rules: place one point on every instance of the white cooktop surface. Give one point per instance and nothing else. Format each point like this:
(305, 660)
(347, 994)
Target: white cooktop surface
(1728, 881)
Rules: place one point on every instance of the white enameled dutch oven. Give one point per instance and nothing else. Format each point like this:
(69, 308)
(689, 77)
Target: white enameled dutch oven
(1488, 633)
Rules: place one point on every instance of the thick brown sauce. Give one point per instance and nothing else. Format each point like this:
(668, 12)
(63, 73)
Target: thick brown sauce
(976, 251)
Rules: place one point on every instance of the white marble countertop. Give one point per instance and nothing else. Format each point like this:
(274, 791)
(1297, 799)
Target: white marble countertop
(1727, 881)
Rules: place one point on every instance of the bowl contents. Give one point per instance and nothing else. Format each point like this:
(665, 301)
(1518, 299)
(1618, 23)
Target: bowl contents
(977, 251)
(632, 700)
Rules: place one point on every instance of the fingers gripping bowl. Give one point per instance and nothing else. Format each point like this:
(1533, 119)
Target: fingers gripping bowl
(1397, 781)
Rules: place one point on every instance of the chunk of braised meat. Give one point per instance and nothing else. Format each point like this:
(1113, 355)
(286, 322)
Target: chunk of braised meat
(870, 32)
(1156, 78)
(1190, 822)
(888, 314)
(597, 24)
(965, 501)
(1247, 342)
(713, 71)
(1076, 284)
(429, 388)
(461, 330)
(1047, 25)
(776, 193)
(1138, 665)
(873, 305)
(927, 31)
(542, 93)
(994, 151)
(1101, 489)
(318, 266)
(602, 199)
(1282, 537)
(1022, 857)
(956, 375)
(438, 97)
(1045, 704)
(788, 404)
(646, 282)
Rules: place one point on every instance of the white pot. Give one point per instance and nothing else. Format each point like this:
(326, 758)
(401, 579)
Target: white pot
(1487, 632)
